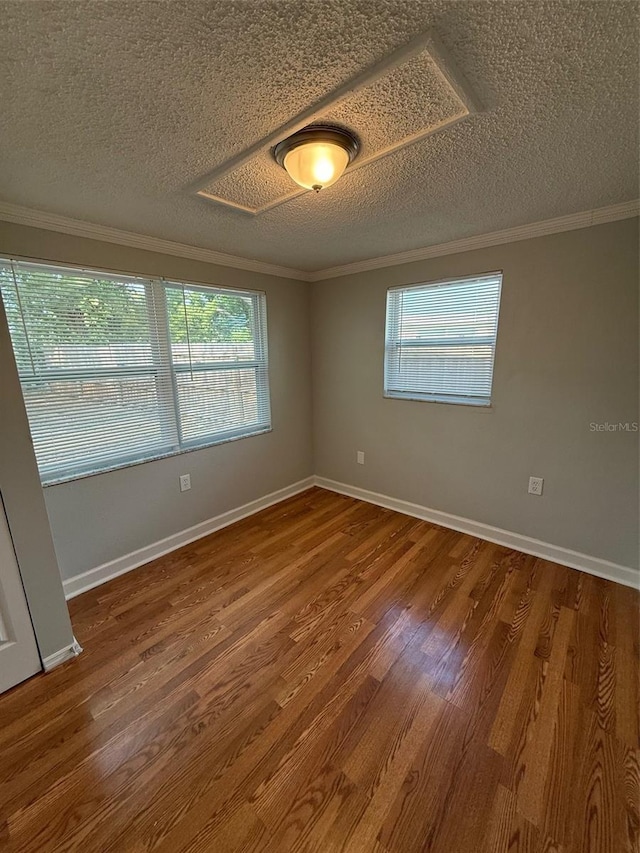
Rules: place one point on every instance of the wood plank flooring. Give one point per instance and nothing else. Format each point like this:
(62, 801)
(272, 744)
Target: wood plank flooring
(332, 676)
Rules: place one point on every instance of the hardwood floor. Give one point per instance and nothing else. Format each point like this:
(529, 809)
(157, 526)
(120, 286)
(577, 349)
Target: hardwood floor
(332, 676)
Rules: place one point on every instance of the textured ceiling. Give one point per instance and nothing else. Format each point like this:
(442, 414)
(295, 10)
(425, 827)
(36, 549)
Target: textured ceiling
(411, 93)
(116, 113)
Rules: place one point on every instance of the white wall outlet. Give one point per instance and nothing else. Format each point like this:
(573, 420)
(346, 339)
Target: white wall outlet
(185, 482)
(360, 457)
(535, 485)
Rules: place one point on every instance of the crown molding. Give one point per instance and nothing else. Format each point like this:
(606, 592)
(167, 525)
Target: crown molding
(572, 222)
(52, 222)
(76, 227)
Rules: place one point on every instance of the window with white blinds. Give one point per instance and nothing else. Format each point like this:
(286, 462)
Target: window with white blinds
(441, 339)
(120, 369)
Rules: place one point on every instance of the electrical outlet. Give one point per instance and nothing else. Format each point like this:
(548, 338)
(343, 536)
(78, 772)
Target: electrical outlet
(535, 485)
(185, 482)
(360, 457)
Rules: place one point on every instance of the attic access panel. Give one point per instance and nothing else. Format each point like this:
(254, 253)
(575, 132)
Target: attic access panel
(410, 94)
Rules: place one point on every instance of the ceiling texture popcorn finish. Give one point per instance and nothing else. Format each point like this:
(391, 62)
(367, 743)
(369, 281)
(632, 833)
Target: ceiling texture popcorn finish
(402, 99)
(499, 115)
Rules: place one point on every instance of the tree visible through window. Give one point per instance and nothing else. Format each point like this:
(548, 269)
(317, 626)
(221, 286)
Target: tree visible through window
(118, 369)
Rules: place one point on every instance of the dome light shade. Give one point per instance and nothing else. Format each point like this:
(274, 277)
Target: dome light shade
(316, 165)
(316, 156)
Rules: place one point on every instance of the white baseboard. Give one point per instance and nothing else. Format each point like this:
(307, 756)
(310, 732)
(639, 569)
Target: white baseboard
(554, 553)
(107, 571)
(61, 656)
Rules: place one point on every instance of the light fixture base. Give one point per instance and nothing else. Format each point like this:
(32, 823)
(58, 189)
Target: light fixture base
(318, 133)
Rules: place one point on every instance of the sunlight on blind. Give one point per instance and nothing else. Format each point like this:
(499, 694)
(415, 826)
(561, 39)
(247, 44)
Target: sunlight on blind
(440, 340)
(119, 369)
(221, 377)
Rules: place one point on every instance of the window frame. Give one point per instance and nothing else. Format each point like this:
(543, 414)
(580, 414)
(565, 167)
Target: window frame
(155, 291)
(478, 402)
(259, 364)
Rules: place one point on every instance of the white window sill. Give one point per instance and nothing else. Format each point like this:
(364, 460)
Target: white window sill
(476, 405)
(70, 478)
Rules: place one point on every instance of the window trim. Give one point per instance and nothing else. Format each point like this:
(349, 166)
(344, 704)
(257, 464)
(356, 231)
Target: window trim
(156, 285)
(469, 400)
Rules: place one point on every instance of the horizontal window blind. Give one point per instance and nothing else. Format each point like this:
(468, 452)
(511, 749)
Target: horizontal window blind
(119, 369)
(219, 360)
(440, 340)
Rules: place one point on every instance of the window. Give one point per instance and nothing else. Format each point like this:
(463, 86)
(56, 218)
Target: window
(119, 369)
(441, 339)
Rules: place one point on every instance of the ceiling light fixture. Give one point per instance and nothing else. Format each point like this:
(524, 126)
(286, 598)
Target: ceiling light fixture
(316, 156)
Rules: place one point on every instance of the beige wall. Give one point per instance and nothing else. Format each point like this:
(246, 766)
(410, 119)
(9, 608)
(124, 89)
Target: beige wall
(567, 356)
(100, 518)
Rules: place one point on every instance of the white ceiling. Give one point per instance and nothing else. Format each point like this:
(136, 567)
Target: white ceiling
(116, 113)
